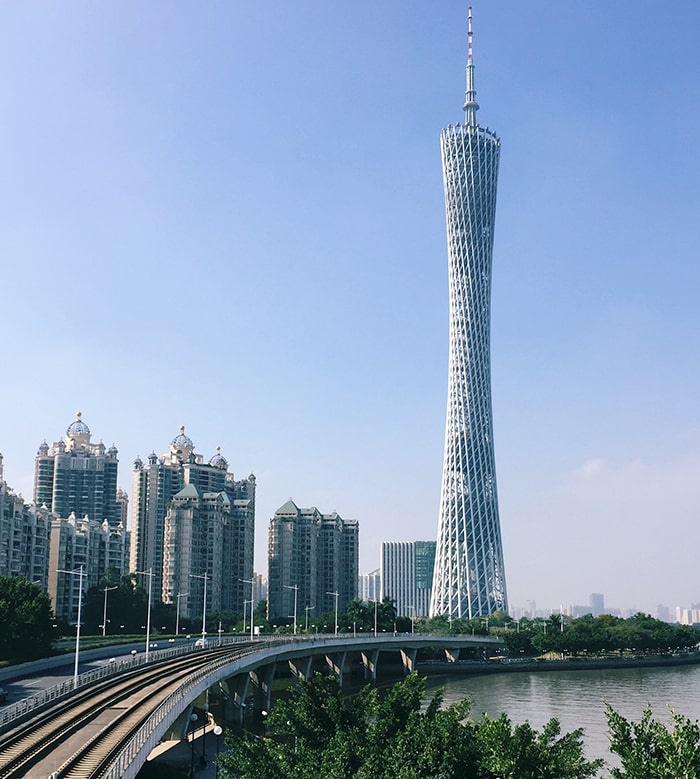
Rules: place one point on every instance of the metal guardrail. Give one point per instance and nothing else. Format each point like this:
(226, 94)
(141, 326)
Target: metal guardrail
(63, 689)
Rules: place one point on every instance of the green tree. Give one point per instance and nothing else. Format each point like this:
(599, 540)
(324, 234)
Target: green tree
(27, 619)
(650, 750)
(521, 752)
(319, 732)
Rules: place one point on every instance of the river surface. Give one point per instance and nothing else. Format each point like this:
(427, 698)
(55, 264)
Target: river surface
(577, 698)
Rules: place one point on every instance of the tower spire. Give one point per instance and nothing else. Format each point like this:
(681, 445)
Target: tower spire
(470, 104)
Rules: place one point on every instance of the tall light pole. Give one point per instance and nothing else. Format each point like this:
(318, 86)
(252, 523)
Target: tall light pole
(150, 575)
(375, 617)
(252, 584)
(308, 609)
(177, 612)
(204, 576)
(218, 730)
(294, 587)
(104, 615)
(251, 617)
(337, 595)
(193, 719)
(79, 573)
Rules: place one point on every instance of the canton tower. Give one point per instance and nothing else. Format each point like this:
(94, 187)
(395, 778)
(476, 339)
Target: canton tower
(469, 578)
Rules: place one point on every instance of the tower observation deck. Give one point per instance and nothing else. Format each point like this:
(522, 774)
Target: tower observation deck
(469, 577)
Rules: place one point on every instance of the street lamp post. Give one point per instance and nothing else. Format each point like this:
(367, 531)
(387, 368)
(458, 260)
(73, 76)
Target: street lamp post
(79, 573)
(150, 575)
(251, 601)
(308, 609)
(294, 587)
(177, 612)
(104, 615)
(203, 758)
(193, 719)
(204, 576)
(337, 594)
(251, 619)
(218, 730)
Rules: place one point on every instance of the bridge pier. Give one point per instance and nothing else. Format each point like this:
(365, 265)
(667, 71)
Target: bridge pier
(262, 686)
(336, 662)
(452, 655)
(235, 703)
(408, 658)
(369, 663)
(301, 667)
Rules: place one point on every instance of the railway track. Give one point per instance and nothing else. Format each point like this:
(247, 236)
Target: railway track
(111, 710)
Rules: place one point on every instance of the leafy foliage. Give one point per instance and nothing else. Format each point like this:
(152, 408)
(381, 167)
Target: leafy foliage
(318, 732)
(26, 617)
(603, 635)
(650, 750)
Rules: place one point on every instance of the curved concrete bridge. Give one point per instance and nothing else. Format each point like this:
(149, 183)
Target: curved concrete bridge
(243, 671)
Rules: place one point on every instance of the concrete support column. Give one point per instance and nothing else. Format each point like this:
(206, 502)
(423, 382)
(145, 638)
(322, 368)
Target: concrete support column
(262, 686)
(408, 658)
(369, 661)
(336, 663)
(235, 704)
(301, 667)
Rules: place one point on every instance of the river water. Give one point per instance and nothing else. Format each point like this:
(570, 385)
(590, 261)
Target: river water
(577, 698)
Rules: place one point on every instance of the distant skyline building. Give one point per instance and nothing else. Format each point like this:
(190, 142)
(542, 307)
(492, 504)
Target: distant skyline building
(313, 556)
(469, 577)
(597, 603)
(407, 575)
(370, 585)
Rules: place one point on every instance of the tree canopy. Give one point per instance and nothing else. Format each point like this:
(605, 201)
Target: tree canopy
(318, 732)
(26, 617)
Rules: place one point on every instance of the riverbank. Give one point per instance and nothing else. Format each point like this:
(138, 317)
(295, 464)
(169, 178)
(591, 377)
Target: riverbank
(506, 665)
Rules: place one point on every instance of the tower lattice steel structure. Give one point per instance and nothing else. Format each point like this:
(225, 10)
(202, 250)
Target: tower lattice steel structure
(469, 578)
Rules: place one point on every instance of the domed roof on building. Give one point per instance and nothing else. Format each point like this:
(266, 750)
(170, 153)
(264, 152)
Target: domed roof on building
(218, 460)
(78, 427)
(44, 449)
(182, 439)
(113, 450)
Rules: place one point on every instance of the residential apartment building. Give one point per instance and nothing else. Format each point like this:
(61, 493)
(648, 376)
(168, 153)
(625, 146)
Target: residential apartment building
(192, 519)
(24, 536)
(312, 556)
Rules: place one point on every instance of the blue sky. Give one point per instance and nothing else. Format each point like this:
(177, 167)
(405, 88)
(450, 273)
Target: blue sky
(229, 215)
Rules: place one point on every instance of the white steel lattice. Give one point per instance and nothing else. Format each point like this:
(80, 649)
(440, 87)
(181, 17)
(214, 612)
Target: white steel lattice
(469, 578)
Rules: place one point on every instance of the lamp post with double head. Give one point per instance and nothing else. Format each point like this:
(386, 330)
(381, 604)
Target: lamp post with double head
(294, 587)
(80, 572)
(177, 612)
(308, 609)
(204, 576)
(150, 575)
(104, 613)
(252, 584)
(337, 595)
